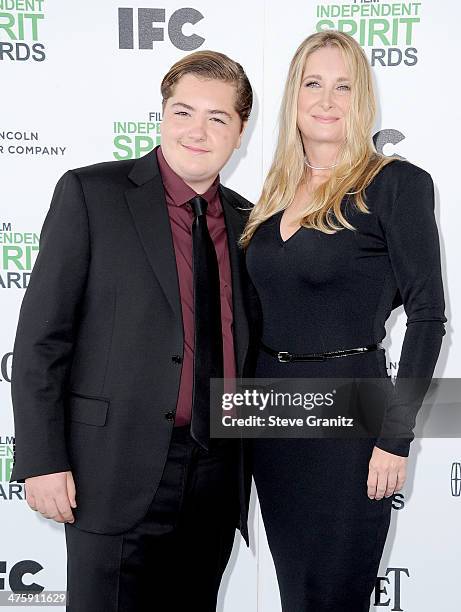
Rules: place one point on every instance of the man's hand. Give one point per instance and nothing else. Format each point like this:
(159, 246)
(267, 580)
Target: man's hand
(386, 473)
(53, 495)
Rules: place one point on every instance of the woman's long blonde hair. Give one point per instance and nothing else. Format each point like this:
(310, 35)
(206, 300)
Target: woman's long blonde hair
(357, 163)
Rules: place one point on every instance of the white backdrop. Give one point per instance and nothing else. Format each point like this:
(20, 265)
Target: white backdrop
(71, 96)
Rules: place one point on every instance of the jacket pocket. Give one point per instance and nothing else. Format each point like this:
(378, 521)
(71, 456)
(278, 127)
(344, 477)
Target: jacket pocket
(89, 410)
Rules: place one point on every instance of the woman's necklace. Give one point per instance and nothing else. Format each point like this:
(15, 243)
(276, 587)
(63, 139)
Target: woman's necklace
(319, 167)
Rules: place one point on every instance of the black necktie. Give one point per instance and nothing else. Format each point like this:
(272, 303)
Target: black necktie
(208, 349)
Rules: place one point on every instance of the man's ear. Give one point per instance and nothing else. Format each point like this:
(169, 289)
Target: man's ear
(242, 129)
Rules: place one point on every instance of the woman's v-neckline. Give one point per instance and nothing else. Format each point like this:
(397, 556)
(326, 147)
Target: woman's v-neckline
(279, 232)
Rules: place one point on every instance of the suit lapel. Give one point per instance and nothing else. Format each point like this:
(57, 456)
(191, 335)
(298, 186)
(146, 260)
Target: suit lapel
(148, 207)
(147, 204)
(234, 225)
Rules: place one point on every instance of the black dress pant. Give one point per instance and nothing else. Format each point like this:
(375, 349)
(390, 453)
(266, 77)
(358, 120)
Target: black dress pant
(172, 560)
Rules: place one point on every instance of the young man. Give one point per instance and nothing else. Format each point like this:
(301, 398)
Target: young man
(138, 297)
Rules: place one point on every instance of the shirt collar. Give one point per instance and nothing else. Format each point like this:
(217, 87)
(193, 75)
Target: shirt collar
(178, 192)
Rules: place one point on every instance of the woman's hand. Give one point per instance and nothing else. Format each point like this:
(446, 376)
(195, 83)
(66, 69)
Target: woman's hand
(386, 473)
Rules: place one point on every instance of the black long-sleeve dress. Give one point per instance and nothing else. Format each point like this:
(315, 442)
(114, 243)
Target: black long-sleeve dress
(327, 292)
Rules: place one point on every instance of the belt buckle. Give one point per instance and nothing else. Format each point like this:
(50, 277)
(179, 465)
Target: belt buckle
(284, 357)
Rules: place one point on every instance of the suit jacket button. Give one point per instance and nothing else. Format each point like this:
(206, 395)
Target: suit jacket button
(170, 415)
(176, 359)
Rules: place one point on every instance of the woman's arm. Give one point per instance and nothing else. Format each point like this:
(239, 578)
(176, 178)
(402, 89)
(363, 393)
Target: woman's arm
(413, 245)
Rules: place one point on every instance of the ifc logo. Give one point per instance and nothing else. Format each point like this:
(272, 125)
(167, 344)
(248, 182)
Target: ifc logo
(147, 33)
(16, 574)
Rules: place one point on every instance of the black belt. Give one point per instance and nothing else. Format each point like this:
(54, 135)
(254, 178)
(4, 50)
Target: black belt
(285, 357)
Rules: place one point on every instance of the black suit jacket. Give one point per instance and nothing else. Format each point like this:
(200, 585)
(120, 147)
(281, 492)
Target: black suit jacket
(95, 372)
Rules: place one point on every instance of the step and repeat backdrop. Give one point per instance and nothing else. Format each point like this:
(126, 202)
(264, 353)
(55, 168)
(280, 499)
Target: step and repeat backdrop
(80, 84)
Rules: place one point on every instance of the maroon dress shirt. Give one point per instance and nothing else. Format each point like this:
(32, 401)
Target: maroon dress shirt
(181, 217)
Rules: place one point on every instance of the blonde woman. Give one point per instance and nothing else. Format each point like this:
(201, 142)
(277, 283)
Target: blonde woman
(340, 236)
